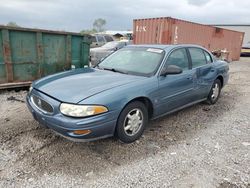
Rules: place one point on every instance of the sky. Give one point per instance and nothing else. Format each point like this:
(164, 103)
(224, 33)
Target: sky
(76, 15)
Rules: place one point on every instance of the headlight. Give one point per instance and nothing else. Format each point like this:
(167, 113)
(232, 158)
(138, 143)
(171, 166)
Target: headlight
(81, 110)
(30, 89)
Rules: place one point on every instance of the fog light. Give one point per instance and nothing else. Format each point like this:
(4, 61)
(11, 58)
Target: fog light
(82, 132)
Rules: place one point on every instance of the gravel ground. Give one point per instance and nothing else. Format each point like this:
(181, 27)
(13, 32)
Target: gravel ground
(201, 146)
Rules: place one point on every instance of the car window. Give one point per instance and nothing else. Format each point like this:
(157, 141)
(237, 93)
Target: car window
(198, 57)
(179, 58)
(93, 39)
(137, 61)
(108, 38)
(208, 57)
(100, 38)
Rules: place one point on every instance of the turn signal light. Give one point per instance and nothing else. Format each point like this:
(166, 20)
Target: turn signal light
(82, 132)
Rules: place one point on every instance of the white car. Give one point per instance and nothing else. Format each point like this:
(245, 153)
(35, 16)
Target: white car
(98, 40)
(96, 54)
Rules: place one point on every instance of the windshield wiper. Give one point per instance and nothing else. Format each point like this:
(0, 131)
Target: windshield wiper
(114, 70)
(96, 66)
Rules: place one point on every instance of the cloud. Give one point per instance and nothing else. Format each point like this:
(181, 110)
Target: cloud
(197, 2)
(76, 15)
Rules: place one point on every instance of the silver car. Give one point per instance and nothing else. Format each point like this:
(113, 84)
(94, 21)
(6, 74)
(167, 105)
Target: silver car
(96, 54)
(98, 40)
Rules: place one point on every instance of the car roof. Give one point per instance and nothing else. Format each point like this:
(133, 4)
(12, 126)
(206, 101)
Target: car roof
(164, 46)
(99, 34)
(117, 41)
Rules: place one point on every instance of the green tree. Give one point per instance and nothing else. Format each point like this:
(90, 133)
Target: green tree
(99, 24)
(12, 24)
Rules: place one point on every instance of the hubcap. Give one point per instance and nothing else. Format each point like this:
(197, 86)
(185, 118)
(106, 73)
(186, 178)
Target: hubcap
(216, 91)
(133, 122)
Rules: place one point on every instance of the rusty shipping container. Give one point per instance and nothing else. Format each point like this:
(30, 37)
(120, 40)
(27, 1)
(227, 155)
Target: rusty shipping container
(167, 30)
(29, 54)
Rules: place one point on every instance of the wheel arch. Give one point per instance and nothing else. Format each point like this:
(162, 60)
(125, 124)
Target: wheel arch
(146, 101)
(221, 80)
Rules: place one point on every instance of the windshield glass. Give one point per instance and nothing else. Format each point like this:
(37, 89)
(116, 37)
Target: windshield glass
(137, 61)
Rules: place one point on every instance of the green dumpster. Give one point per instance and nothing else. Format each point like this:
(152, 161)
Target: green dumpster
(29, 54)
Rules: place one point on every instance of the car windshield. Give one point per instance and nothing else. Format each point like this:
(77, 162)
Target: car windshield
(137, 61)
(111, 44)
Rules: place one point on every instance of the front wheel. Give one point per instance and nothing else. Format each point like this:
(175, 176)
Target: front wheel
(214, 93)
(131, 122)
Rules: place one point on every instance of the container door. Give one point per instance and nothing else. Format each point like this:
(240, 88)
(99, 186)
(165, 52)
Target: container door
(3, 78)
(176, 90)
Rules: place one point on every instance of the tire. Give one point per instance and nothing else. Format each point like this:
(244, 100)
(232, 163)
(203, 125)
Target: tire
(214, 93)
(132, 122)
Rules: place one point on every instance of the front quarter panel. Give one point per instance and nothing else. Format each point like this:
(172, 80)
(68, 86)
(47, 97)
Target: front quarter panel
(117, 98)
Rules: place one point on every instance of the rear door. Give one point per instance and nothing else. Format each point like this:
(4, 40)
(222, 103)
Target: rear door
(202, 65)
(176, 90)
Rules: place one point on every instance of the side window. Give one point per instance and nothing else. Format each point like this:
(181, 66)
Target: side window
(93, 39)
(179, 58)
(108, 38)
(198, 57)
(208, 57)
(100, 38)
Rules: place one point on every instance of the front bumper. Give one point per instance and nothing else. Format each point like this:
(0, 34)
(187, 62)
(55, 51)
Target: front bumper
(101, 126)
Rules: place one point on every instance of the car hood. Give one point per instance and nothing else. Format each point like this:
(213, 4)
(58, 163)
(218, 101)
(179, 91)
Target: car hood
(100, 52)
(100, 49)
(77, 85)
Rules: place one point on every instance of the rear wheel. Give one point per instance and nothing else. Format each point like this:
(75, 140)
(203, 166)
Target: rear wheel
(214, 93)
(131, 122)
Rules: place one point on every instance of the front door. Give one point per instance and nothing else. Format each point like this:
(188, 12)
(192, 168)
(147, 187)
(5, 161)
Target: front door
(176, 90)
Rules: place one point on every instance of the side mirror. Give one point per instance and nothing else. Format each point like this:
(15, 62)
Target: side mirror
(171, 69)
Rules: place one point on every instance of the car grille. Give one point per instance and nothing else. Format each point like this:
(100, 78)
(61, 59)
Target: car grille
(41, 104)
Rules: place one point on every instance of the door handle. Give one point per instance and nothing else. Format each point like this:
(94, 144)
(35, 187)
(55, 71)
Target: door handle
(212, 70)
(190, 78)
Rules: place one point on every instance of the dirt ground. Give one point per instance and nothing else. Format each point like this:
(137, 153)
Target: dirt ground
(201, 146)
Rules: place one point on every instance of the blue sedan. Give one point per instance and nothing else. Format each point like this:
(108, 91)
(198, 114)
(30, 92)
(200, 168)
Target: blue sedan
(128, 88)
